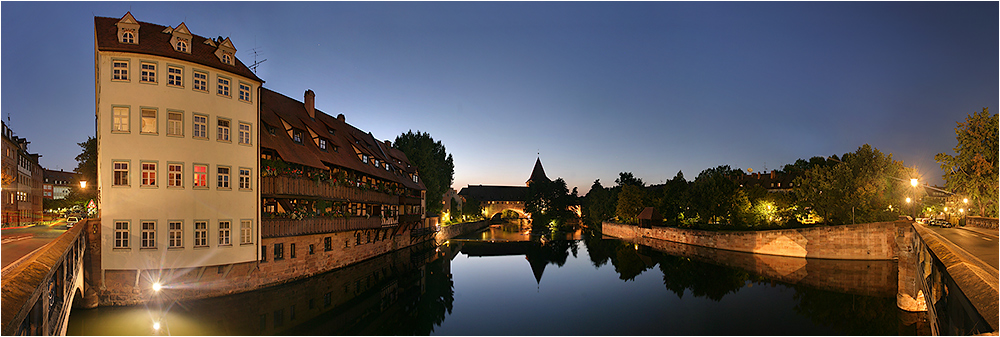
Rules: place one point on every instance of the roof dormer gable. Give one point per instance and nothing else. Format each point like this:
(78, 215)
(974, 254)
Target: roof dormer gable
(226, 52)
(128, 29)
(180, 38)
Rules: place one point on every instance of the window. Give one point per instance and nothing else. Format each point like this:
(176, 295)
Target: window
(322, 144)
(148, 235)
(175, 124)
(224, 228)
(312, 249)
(227, 59)
(200, 81)
(175, 76)
(244, 92)
(120, 119)
(223, 130)
(200, 176)
(148, 174)
(201, 233)
(181, 46)
(297, 136)
(244, 178)
(200, 129)
(121, 234)
(223, 87)
(148, 73)
(128, 37)
(119, 70)
(244, 134)
(148, 122)
(279, 251)
(327, 244)
(120, 173)
(176, 235)
(291, 250)
(263, 256)
(223, 175)
(245, 232)
(175, 175)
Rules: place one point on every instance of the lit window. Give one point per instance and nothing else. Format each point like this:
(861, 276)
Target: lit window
(244, 178)
(120, 173)
(175, 175)
(148, 235)
(223, 175)
(148, 73)
(120, 119)
(175, 124)
(224, 227)
(148, 122)
(176, 238)
(200, 176)
(200, 233)
(121, 234)
(200, 129)
(175, 76)
(223, 87)
(223, 128)
(322, 144)
(245, 133)
(244, 92)
(148, 174)
(119, 70)
(182, 46)
(128, 37)
(245, 232)
(200, 81)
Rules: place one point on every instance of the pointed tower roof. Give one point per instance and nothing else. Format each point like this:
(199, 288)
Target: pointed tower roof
(538, 173)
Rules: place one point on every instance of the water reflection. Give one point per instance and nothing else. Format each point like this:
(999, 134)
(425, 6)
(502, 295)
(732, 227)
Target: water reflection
(412, 292)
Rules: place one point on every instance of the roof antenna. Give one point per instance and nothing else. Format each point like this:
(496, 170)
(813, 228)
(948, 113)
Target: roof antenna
(255, 62)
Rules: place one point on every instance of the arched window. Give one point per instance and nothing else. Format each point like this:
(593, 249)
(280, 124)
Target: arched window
(128, 37)
(227, 59)
(182, 46)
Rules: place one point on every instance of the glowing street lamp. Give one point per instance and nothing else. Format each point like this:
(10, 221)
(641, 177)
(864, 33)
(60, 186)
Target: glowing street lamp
(157, 286)
(83, 184)
(907, 200)
(913, 182)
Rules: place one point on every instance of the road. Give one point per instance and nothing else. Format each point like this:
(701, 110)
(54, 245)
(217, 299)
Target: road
(18, 242)
(980, 242)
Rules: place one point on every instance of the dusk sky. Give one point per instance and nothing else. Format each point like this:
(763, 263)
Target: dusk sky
(592, 88)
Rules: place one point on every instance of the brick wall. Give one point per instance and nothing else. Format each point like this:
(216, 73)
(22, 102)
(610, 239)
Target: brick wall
(129, 287)
(451, 231)
(871, 241)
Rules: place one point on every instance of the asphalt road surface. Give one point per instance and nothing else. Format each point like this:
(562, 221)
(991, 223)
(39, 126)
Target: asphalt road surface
(18, 242)
(980, 242)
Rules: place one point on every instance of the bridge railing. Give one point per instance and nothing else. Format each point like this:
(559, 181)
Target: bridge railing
(38, 293)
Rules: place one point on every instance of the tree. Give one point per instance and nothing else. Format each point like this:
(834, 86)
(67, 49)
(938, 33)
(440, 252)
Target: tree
(455, 211)
(972, 171)
(714, 193)
(598, 205)
(435, 166)
(472, 208)
(630, 204)
(675, 199)
(548, 201)
(626, 178)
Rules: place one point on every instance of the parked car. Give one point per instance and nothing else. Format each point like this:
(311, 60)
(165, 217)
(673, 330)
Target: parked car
(70, 221)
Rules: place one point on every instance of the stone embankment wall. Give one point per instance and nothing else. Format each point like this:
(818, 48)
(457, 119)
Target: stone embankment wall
(978, 221)
(871, 241)
(451, 231)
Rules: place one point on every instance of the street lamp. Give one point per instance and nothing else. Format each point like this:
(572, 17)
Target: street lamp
(913, 182)
(83, 184)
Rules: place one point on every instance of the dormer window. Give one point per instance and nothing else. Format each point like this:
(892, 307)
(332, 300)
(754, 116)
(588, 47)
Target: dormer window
(297, 136)
(322, 144)
(128, 37)
(227, 59)
(181, 46)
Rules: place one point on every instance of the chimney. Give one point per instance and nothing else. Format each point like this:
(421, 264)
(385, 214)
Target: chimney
(388, 143)
(311, 104)
(340, 117)
(772, 175)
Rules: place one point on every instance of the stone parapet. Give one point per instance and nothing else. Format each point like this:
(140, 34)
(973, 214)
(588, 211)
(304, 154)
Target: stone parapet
(448, 232)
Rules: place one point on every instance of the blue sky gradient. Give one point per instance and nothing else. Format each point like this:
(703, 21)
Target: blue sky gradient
(596, 87)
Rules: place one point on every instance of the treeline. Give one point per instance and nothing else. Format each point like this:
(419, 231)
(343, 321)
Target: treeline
(861, 186)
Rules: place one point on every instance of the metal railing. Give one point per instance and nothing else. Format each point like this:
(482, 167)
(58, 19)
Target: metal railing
(38, 292)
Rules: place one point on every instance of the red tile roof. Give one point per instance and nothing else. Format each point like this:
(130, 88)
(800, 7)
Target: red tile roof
(153, 41)
(276, 108)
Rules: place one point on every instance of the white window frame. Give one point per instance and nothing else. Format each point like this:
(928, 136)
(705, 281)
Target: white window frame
(147, 176)
(195, 177)
(321, 143)
(120, 172)
(181, 46)
(119, 70)
(175, 127)
(225, 229)
(245, 92)
(121, 234)
(148, 238)
(120, 119)
(201, 233)
(175, 175)
(223, 86)
(148, 125)
(199, 129)
(246, 135)
(127, 37)
(223, 179)
(199, 83)
(147, 72)
(223, 133)
(245, 178)
(175, 76)
(246, 232)
(175, 238)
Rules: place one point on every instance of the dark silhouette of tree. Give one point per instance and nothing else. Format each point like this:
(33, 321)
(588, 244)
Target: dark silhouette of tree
(714, 194)
(435, 166)
(973, 170)
(626, 178)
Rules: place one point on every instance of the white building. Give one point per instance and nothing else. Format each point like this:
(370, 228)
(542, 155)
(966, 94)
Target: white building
(177, 118)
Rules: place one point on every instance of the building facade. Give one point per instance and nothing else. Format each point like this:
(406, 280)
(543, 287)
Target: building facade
(22, 182)
(177, 148)
(57, 185)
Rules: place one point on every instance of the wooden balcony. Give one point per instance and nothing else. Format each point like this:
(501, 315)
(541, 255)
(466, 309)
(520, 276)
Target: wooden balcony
(289, 186)
(271, 228)
(405, 219)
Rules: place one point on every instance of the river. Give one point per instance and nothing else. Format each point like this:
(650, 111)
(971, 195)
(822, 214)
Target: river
(507, 282)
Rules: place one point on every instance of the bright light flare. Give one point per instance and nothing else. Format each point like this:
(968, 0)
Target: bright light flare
(913, 182)
(907, 200)
(156, 287)
(156, 325)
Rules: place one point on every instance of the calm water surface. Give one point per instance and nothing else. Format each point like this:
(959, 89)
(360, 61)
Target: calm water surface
(501, 282)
